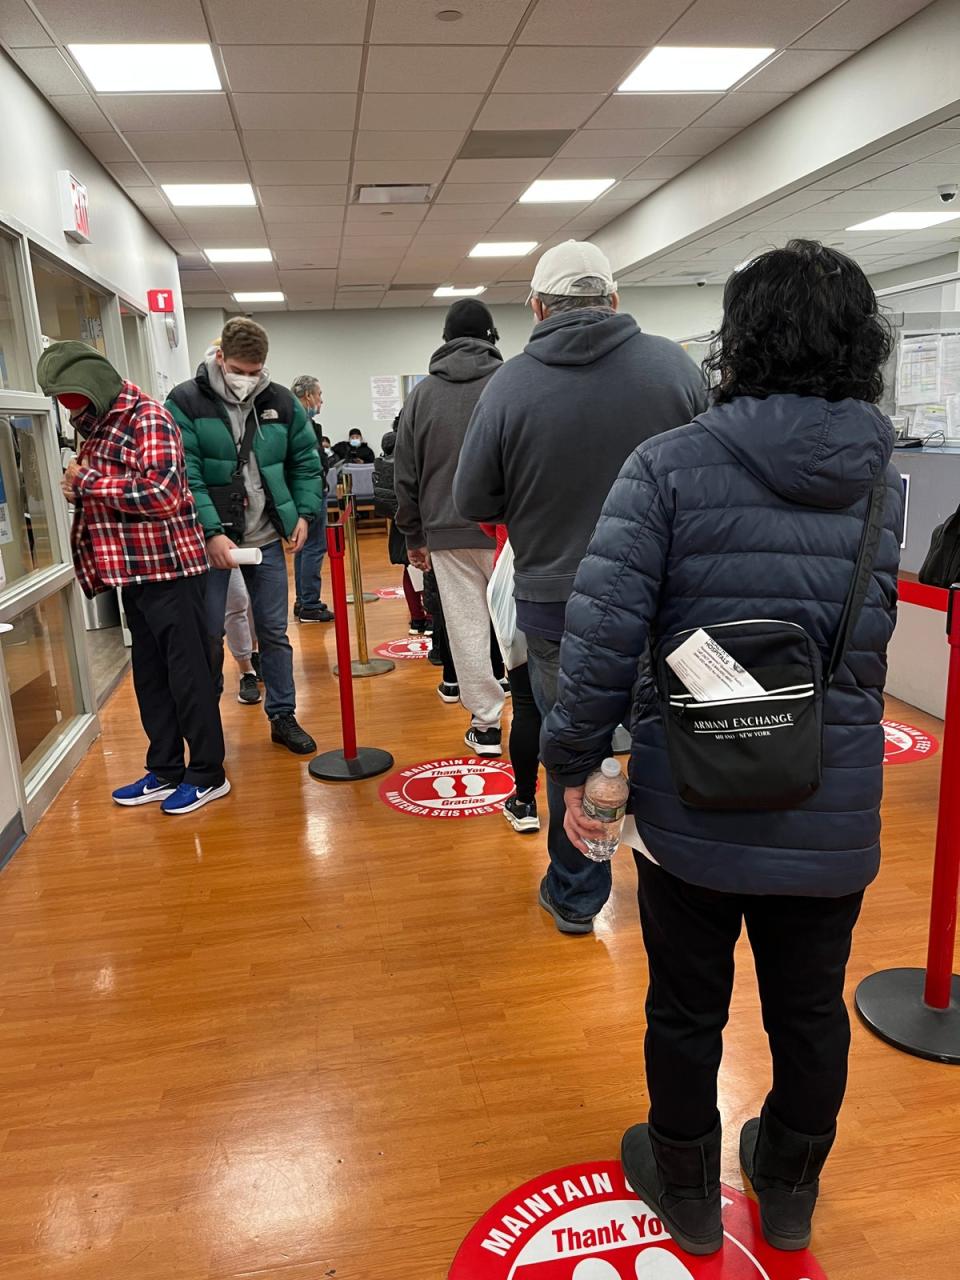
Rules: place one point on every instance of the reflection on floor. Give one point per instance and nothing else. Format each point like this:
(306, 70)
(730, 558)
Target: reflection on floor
(109, 659)
(300, 1034)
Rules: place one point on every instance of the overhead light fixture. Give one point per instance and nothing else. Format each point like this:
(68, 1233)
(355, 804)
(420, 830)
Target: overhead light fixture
(503, 249)
(904, 221)
(269, 296)
(565, 190)
(147, 68)
(448, 291)
(668, 69)
(210, 195)
(239, 255)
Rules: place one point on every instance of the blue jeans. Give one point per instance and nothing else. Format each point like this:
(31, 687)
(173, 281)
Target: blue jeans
(267, 585)
(308, 563)
(578, 886)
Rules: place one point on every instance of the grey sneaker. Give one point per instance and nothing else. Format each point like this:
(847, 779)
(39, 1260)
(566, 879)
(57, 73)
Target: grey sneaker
(249, 691)
(522, 817)
(566, 924)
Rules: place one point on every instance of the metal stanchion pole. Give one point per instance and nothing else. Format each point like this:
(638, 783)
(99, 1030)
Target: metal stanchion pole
(363, 665)
(345, 488)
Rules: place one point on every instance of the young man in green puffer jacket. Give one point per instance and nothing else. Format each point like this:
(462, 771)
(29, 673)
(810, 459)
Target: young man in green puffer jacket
(282, 493)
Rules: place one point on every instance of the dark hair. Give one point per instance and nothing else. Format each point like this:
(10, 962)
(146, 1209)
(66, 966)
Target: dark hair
(801, 320)
(244, 339)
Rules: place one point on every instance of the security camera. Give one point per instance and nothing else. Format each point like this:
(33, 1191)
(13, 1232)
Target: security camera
(947, 193)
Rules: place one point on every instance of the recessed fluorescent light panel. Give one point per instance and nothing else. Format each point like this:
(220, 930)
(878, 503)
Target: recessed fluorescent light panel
(212, 195)
(904, 221)
(565, 190)
(503, 249)
(260, 297)
(147, 68)
(448, 291)
(238, 255)
(676, 70)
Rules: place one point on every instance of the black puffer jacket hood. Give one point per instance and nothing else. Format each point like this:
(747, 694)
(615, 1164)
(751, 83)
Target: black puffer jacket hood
(580, 337)
(465, 360)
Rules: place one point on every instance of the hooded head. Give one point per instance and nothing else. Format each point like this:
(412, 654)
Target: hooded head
(468, 318)
(388, 443)
(78, 376)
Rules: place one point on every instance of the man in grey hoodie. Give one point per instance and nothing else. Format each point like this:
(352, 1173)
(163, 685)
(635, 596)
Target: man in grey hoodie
(429, 436)
(542, 451)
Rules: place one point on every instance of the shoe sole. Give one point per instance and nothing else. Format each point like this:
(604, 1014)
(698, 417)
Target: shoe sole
(447, 697)
(483, 750)
(699, 1248)
(160, 794)
(307, 621)
(198, 804)
(786, 1244)
(563, 924)
(525, 826)
(249, 702)
(297, 751)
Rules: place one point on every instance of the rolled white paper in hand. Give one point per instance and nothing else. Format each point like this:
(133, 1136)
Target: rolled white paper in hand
(246, 555)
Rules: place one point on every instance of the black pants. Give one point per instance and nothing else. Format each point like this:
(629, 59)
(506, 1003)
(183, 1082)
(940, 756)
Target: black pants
(441, 645)
(524, 734)
(800, 946)
(173, 680)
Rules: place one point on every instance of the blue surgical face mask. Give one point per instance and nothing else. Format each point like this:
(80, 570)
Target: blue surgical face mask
(355, 440)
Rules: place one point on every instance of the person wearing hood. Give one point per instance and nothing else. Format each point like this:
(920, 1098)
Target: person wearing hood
(756, 511)
(255, 473)
(429, 438)
(545, 444)
(135, 527)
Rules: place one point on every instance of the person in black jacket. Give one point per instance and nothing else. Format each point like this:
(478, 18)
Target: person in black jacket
(353, 450)
(755, 512)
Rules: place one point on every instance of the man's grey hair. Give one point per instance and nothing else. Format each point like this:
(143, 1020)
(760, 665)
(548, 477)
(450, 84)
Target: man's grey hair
(591, 292)
(305, 386)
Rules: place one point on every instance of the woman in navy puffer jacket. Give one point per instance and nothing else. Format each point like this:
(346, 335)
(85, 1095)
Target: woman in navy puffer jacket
(754, 511)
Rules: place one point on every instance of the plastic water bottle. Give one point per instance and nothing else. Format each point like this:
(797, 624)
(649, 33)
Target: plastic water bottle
(605, 799)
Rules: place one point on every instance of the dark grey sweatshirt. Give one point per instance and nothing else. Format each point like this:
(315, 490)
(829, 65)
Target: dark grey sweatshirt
(551, 432)
(429, 436)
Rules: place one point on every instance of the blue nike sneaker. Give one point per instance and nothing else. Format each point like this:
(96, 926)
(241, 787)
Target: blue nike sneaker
(145, 791)
(187, 797)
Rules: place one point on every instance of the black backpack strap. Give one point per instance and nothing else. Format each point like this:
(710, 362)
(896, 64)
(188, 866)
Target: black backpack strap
(860, 584)
(246, 444)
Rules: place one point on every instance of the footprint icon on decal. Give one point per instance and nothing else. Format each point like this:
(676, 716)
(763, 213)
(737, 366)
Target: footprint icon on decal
(445, 787)
(595, 1269)
(473, 784)
(658, 1264)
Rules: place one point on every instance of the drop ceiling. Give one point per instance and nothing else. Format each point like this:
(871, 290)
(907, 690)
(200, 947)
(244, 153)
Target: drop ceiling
(320, 95)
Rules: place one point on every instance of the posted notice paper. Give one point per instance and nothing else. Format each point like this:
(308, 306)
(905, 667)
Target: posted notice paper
(709, 672)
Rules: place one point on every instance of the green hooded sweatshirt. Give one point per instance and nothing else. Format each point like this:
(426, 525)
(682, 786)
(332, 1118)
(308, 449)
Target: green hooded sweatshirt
(73, 367)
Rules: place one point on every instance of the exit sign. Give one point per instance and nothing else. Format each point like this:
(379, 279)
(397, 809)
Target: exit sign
(160, 300)
(74, 210)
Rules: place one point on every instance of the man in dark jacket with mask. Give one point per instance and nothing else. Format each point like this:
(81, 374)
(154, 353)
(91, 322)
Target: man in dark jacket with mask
(429, 436)
(589, 385)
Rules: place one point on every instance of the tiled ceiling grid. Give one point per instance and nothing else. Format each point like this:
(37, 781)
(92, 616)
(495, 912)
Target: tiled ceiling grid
(321, 95)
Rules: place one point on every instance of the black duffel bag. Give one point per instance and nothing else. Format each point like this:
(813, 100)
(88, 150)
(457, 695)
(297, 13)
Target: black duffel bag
(941, 567)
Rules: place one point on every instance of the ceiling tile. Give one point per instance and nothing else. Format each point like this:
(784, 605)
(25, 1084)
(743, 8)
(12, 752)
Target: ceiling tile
(637, 23)
(583, 167)
(415, 22)
(386, 215)
(697, 142)
(372, 271)
(391, 234)
(298, 144)
(299, 173)
(473, 171)
(662, 167)
(859, 22)
(147, 198)
(481, 192)
(419, 267)
(107, 147)
(211, 300)
(19, 28)
(249, 275)
(419, 145)
(550, 70)
(290, 197)
(312, 281)
(652, 110)
(399, 171)
(276, 68)
(597, 143)
(307, 111)
(391, 111)
(196, 280)
(297, 259)
(537, 110)
(323, 219)
(199, 171)
(924, 177)
(737, 110)
(636, 188)
(49, 70)
(406, 298)
(212, 144)
(794, 70)
(161, 112)
(129, 174)
(357, 301)
(375, 246)
(742, 22)
(222, 223)
(432, 68)
(115, 21)
(467, 214)
(288, 21)
(81, 113)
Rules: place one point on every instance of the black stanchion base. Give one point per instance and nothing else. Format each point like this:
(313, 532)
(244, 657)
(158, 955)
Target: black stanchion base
(333, 766)
(372, 667)
(368, 597)
(891, 1005)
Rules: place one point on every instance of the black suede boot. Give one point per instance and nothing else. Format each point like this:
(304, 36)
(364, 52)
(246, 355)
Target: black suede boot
(680, 1181)
(784, 1169)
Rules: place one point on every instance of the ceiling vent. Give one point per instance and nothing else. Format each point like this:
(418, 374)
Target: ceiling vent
(513, 144)
(396, 193)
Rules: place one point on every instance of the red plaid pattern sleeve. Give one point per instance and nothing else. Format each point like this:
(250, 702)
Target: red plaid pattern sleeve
(135, 517)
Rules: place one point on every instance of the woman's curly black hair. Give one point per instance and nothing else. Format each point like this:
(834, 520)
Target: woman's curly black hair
(801, 320)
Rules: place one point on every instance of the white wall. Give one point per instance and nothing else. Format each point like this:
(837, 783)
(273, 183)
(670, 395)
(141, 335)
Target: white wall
(125, 251)
(344, 348)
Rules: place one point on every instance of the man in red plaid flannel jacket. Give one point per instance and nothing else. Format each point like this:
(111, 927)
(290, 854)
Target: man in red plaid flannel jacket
(135, 527)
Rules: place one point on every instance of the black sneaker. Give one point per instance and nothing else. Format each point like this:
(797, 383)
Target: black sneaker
(418, 627)
(285, 730)
(522, 817)
(448, 692)
(249, 691)
(434, 658)
(318, 614)
(257, 670)
(565, 923)
(485, 742)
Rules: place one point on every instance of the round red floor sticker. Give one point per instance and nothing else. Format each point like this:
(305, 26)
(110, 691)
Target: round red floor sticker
(408, 647)
(463, 788)
(904, 743)
(585, 1223)
(390, 593)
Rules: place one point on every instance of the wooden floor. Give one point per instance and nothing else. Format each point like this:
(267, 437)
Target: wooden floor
(301, 1035)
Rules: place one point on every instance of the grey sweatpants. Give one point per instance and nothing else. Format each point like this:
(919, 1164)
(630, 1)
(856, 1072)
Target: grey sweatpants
(462, 578)
(238, 620)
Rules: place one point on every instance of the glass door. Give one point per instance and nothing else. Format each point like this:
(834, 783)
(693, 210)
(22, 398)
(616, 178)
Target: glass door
(136, 345)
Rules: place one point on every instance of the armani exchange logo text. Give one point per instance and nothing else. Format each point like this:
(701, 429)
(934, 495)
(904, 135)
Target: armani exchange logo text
(732, 724)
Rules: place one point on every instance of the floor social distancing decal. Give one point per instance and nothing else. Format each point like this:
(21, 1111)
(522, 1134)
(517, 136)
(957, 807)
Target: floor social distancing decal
(585, 1223)
(390, 593)
(407, 647)
(904, 743)
(455, 788)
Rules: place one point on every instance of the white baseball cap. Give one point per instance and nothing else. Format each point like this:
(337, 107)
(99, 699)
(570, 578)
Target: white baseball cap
(562, 266)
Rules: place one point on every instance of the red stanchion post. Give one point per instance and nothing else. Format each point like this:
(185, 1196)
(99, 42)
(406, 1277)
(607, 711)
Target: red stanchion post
(914, 1009)
(352, 762)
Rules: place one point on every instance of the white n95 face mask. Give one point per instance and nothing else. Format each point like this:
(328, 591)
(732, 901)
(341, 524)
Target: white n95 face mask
(241, 384)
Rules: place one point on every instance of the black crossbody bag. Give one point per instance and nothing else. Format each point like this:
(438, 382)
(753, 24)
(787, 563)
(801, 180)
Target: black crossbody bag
(761, 752)
(231, 499)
